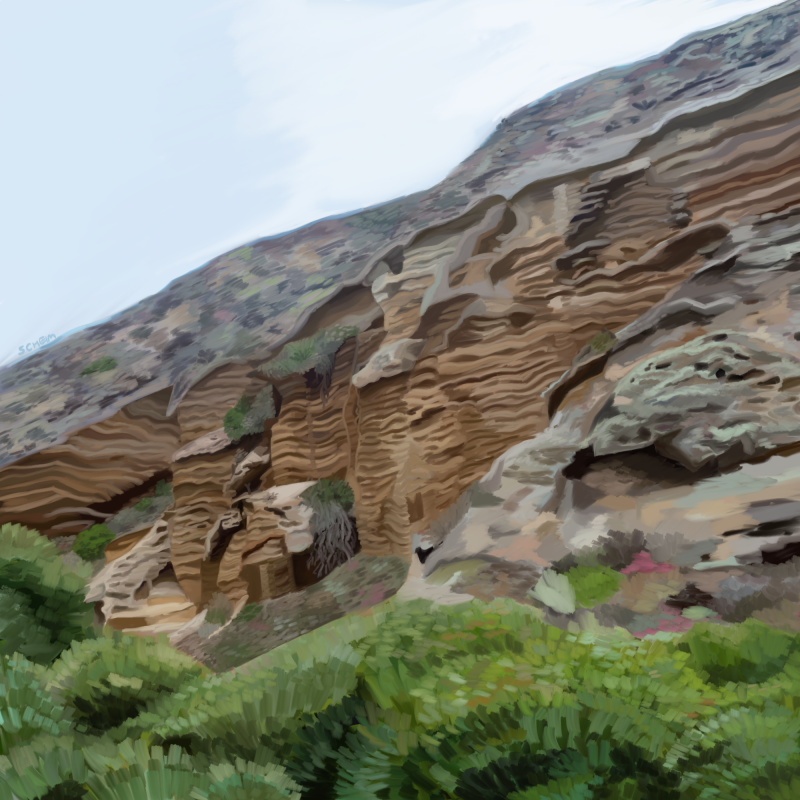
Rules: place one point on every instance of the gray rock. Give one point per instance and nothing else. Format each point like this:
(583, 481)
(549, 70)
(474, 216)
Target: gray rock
(724, 396)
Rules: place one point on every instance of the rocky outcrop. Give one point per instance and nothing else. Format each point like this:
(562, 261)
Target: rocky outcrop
(63, 490)
(577, 340)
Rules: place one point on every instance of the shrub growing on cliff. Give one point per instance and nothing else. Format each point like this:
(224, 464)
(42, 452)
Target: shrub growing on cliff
(315, 353)
(248, 417)
(91, 543)
(103, 364)
(335, 537)
(593, 585)
(42, 608)
(602, 341)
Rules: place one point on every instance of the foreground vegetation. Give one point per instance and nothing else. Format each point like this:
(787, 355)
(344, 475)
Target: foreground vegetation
(412, 700)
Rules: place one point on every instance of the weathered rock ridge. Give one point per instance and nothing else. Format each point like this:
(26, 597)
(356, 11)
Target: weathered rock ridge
(588, 333)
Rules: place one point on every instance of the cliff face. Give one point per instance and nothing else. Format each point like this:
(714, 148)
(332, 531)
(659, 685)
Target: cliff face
(587, 334)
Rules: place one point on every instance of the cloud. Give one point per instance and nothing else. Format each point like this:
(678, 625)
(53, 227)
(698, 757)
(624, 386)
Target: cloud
(372, 100)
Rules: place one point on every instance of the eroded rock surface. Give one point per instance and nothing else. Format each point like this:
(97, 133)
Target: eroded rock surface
(585, 340)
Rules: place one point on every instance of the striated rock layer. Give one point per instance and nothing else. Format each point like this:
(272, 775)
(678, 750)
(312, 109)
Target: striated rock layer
(539, 334)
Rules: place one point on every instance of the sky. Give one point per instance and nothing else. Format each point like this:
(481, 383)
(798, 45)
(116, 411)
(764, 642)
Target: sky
(138, 140)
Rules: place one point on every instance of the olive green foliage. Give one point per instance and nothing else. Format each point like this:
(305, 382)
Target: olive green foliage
(602, 341)
(315, 353)
(42, 608)
(593, 585)
(335, 538)
(145, 512)
(330, 491)
(748, 653)
(91, 543)
(481, 701)
(27, 707)
(110, 679)
(248, 417)
(103, 364)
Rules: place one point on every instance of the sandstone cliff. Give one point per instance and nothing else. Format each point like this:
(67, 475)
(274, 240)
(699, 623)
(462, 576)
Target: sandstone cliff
(584, 340)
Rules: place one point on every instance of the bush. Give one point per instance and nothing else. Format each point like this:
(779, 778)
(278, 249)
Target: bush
(315, 353)
(139, 769)
(42, 608)
(414, 699)
(27, 708)
(246, 418)
(751, 652)
(593, 585)
(91, 544)
(335, 538)
(103, 364)
(145, 512)
(111, 679)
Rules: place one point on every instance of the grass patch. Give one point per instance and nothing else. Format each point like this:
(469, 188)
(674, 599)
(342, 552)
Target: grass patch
(103, 364)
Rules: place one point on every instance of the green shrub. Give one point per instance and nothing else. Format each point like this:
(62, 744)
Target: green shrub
(91, 544)
(602, 341)
(479, 701)
(593, 585)
(335, 538)
(111, 679)
(103, 364)
(140, 772)
(146, 511)
(42, 608)
(163, 489)
(27, 708)
(315, 353)
(247, 418)
(750, 652)
(330, 491)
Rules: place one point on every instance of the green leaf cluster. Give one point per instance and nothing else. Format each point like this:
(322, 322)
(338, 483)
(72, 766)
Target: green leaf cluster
(248, 417)
(335, 537)
(91, 544)
(110, 679)
(329, 491)
(593, 585)
(315, 353)
(163, 489)
(42, 608)
(602, 341)
(481, 701)
(102, 364)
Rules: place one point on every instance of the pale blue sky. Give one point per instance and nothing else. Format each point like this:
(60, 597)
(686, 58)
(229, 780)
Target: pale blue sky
(140, 139)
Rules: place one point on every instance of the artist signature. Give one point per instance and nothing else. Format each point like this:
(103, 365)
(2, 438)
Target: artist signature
(43, 340)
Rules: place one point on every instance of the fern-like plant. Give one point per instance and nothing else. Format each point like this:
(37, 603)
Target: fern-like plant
(42, 608)
(109, 680)
(335, 537)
